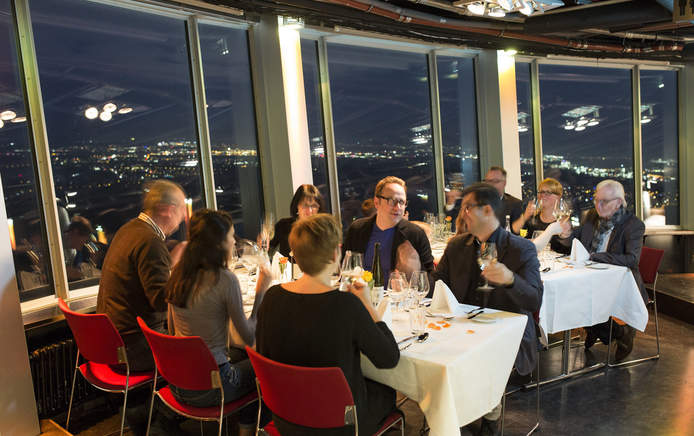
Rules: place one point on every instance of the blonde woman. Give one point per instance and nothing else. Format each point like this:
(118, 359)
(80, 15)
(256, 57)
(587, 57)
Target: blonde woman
(542, 218)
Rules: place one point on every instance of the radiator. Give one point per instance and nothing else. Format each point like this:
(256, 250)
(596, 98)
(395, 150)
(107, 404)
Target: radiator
(52, 367)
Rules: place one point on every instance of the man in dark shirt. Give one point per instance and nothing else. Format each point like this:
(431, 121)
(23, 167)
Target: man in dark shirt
(137, 267)
(515, 275)
(404, 246)
(510, 205)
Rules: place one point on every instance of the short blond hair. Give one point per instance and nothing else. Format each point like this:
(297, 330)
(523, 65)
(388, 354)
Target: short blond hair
(553, 185)
(313, 241)
(381, 185)
(614, 186)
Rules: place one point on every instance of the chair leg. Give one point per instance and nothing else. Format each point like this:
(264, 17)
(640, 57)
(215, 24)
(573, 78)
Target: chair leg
(503, 412)
(72, 390)
(125, 399)
(657, 327)
(151, 403)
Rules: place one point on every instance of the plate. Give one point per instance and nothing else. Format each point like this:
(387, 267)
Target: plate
(597, 266)
(485, 318)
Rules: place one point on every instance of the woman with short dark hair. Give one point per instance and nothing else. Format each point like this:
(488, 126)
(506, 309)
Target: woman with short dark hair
(307, 201)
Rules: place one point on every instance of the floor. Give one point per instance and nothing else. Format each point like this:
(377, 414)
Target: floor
(654, 398)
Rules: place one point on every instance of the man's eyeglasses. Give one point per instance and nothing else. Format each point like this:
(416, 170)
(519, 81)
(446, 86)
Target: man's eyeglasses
(467, 207)
(393, 201)
(602, 203)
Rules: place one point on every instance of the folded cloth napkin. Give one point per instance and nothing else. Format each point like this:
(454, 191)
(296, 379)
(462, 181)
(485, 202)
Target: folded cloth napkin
(276, 264)
(443, 300)
(579, 254)
(384, 312)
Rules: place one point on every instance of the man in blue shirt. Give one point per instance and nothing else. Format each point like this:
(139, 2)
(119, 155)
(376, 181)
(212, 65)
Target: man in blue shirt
(404, 246)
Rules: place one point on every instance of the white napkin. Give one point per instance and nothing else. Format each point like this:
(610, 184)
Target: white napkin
(384, 312)
(579, 254)
(443, 300)
(276, 264)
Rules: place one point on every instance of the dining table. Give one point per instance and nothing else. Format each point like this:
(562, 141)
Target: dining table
(459, 373)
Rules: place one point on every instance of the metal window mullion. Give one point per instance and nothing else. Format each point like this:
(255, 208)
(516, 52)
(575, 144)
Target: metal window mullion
(482, 152)
(436, 131)
(200, 101)
(39, 137)
(537, 122)
(328, 127)
(636, 114)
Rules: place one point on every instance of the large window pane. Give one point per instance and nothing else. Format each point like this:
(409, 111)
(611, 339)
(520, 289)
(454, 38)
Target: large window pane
(525, 129)
(314, 113)
(587, 130)
(25, 220)
(659, 139)
(458, 122)
(381, 111)
(119, 111)
(231, 115)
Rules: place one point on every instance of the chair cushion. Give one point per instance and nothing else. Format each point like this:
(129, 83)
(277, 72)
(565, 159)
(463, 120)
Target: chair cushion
(105, 378)
(204, 412)
(271, 429)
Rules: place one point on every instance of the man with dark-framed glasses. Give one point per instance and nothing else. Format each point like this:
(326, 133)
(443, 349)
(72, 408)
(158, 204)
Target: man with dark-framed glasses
(404, 246)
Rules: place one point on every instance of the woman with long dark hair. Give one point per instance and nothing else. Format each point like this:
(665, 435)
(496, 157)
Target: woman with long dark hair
(307, 201)
(205, 300)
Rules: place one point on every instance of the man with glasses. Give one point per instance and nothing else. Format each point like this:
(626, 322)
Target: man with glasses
(404, 246)
(510, 205)
(514, 274)
(613, 235)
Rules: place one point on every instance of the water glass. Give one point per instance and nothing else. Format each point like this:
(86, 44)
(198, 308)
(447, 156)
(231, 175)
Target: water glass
(417, 320)
(420, 285)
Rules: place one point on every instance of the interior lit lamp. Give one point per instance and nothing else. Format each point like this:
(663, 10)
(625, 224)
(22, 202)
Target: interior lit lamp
(497, 13)
(2, 123)
(476, 8)
(645, 119)
(581, 122)
(91, 113)
(579, 128)
(110, 107)
(510, 51)
(125, 110)
(295, 23)
(7, 115)
(593, 122)
(506, 5)
(19, 119)
(525, 7)
(105, 116)
(569, 126)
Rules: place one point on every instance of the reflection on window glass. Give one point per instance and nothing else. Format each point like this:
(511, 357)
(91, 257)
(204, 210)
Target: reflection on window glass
(231, 115)
(25, 220)
(381, 111)
(314, 113)
(525, 129)
(659, 139)
(119, 112)
(458, 124)
(587, 130)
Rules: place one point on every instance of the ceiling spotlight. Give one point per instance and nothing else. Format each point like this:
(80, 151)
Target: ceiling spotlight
(522, 128)
(661, 85)
(569, 127)
(110, 107)
(511, 52)
(476, 8)
(582, 122)
(295, 23)
(125, 110)
(496, 13)
(19, 119)
(2, 123)
(91, 113)
(593, 122)
(646, 120)
(525, 7)
(506, 5)
(579, 128)
(7, 115)
(105, 116)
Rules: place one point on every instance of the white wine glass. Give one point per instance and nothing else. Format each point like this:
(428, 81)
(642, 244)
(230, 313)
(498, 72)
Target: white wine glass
(397, 288)
(352, 268)
(486, 256)
(420, 285)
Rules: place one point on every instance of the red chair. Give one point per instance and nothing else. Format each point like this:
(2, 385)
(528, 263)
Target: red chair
(101, 346)
(309, 397)
(186, 362)
(649, 262)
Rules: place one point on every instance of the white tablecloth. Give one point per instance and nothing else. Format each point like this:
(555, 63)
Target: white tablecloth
(459, 373)
(576, 296)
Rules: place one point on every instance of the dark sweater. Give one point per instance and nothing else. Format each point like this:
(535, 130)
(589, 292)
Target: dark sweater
(281, 239)
(322, 330)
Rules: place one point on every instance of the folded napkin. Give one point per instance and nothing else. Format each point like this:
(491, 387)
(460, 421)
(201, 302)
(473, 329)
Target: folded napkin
(384, 312)
(579, 254)
(443, 300)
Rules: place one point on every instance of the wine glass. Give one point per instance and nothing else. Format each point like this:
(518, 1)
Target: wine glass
(233, 259)
(397, 288)
(420, 285)
(267, 231)
(352, 268)
(561, 209)
(486, 256)
(250, 256)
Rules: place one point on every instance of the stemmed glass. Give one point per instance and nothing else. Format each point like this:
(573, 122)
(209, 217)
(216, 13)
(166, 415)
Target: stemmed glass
(397, 288)
(561, 209)
(352, 268)
(233, 258)
(267, 231)
(420, 285)
(486, 256)
(250, 256)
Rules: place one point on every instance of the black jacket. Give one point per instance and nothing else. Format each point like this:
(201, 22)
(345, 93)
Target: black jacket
(623, 248)
(512, 207)
(358, 234)
(281, 239)
(458, 268)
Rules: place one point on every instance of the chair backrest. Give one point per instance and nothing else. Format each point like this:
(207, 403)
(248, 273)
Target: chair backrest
(310, 397)
(184, 361)
(649, 263)
(96, 336)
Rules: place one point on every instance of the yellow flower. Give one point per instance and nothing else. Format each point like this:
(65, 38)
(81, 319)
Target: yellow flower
(523, 233)
(367, 276)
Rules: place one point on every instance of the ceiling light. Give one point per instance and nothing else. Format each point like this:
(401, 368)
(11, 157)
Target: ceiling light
(582, 122)
(125, 110)
(579, 128)
(525, 7)
(496, 13)
(522, 128)
(2, 123)
(110, 107)
(295, 23)
(645, 120)
(91, 113)
(476, 8)
(593, 122)
(19, 119)
(569, 127)
(105, 116)
(7, 115)
(506, 5)
(511, 52)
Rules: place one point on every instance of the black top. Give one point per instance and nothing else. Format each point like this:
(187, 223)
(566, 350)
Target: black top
(535, 224)
(512, 207)
(328, 329)
(459, 270)
(281, 240)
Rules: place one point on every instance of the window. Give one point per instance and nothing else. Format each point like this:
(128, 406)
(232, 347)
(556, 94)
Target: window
(382, 117)
(659, 147)
(231, 118)
(119, 111)
(25, 219)
(314, 112)
(525, 129)
(587, 129)
(458, 106)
